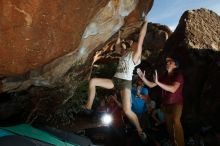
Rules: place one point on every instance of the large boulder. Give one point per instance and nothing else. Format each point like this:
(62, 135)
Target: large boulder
(104, 20)
(49, 47)
(36, 32)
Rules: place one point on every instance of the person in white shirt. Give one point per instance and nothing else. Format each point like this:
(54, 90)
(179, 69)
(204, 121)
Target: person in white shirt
(122, 80)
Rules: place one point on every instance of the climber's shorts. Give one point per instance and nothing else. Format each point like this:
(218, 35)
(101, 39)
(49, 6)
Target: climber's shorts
(121, 83)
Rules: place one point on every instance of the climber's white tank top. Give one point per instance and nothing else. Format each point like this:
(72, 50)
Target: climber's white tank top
(126, 67)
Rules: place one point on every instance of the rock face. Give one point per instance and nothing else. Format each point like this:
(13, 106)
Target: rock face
(155, 41)
(202, 29)
(196, 43)
(36, 32)
(102, 24)
(197, 29)
(56, 42)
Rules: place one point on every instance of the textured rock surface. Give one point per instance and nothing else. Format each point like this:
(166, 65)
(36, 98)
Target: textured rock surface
(156, 38)
(197, 29)
(102, 26)
(53, 81)
(202, 29)
(33, 33)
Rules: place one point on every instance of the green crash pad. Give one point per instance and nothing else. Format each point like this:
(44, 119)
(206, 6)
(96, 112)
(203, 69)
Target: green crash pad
(5, 133)
(31, 132)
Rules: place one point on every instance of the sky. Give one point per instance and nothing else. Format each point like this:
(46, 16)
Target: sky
(168, 12)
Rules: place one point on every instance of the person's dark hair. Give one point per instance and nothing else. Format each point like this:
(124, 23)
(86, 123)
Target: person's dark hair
(176, 60)
(134, 37)
(127, 45)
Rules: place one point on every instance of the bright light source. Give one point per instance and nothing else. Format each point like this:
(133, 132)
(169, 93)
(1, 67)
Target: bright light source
(106, 119)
